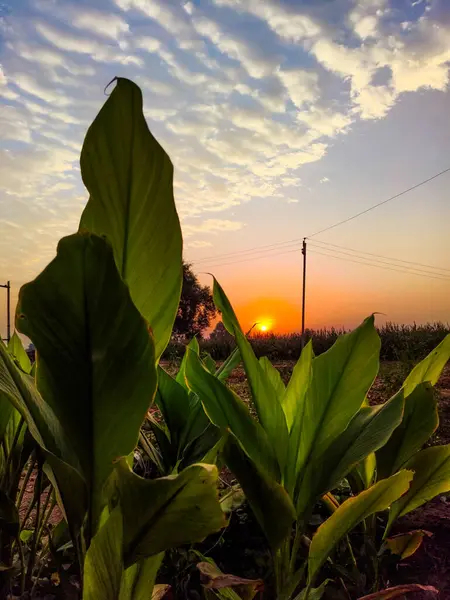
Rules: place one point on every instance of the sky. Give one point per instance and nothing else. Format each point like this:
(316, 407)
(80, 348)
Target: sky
(282, 117)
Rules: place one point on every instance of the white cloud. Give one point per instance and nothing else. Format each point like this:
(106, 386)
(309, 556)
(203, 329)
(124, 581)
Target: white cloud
(198, 244)
(31, 86)
(288, 24)
(105, 24)
(257, 63)
(100, 52)
(212, 226)
(302, 86)
(13, 125)
(324, 180)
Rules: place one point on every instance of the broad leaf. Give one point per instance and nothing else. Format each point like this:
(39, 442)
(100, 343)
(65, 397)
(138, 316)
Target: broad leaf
(173, 401)
(264, 395)
(209, 363)
(405, 544)
(420, 420)
(340, 381)
(138, 581)
(273, 375)
(17, 351)
(96, 366)
(293, 398)
(227, 411)
(431, 469)
(430, 368)
(129, 179)
(368, 431)
(103, 565)
(228, 366)
(162, 513)
(269, 500)
(181, 375)
(351, 512)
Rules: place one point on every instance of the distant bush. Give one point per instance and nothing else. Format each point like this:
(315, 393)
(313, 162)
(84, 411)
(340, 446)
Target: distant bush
(398, 342)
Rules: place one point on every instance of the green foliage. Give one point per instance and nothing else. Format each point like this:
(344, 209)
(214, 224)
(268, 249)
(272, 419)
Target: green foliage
(99, 316)
(314, 433)
(129, 178)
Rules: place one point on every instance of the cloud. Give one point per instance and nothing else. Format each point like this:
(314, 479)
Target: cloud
(246, 96)
(98, 51)
(212, 226)
(252, 57)
(324, 180)
(198, 244)
(302, 86)
(13, 125)
(287, 23)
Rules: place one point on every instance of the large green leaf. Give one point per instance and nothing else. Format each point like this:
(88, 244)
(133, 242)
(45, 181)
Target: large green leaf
(339, 384)
(351, 512)
(273, 375)
(293, 403)
(431, 469)
(420, 420)
(19, 391)
(181, 375)
(293, 398)
(368, 431)
(162, 513)
(129, 178)
(17, 351)
(103, 567)
(96, 366)
(227, 411)
(173, 401)
(138, 581)
(269, 500)
(227, 367)
(264, 394)
(430, 368)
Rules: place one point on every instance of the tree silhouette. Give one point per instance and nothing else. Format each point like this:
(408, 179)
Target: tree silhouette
(196, 308)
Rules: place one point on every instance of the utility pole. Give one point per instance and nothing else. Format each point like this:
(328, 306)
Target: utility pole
(7, 285)
(304, 292)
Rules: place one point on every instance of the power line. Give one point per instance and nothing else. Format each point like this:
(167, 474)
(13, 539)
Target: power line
(383, 262)
(257, 249)
(253, 258)
(363, 212)
(408, 262)
(254, 250)
(369, 264)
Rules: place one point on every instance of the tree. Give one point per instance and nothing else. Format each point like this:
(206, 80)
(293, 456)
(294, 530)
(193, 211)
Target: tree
(196, 308)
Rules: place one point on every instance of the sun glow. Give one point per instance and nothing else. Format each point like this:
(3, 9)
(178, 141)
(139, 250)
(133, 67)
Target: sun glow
(263, 327)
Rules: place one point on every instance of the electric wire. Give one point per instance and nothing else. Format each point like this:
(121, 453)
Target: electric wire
(234, 262)
(409, 262)
(369, 264)
(383, 262)
(363, 212)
